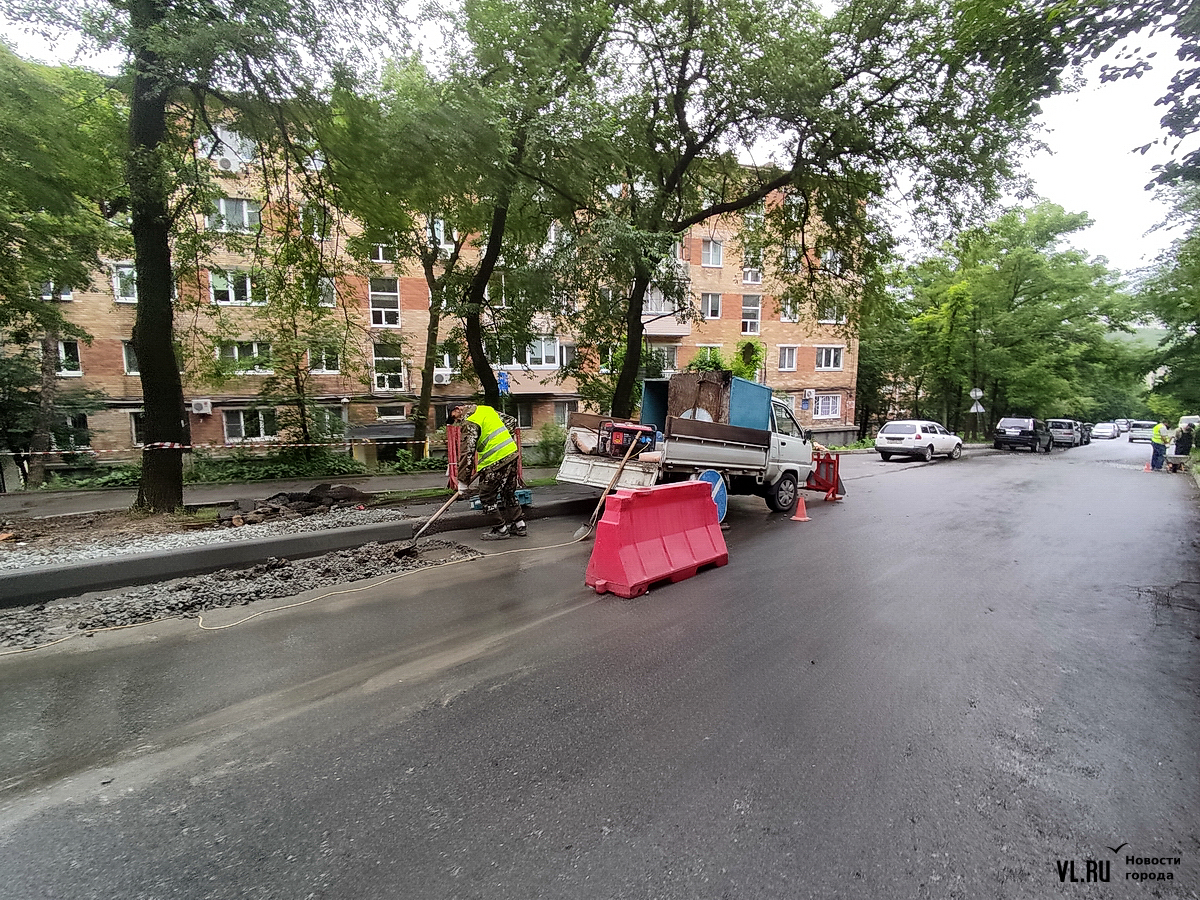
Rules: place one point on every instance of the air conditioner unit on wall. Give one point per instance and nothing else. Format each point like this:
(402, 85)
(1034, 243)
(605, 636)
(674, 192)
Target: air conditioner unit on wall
(202, 407)
(810, 393)
(441, 377)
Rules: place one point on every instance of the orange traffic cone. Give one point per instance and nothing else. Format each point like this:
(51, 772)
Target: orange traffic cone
(1147, 468)
(801, 514)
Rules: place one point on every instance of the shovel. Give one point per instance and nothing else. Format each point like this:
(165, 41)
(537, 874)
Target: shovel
(582, 531)
(411, 545)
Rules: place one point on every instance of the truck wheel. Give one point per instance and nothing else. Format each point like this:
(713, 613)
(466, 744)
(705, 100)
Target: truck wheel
(782, 495)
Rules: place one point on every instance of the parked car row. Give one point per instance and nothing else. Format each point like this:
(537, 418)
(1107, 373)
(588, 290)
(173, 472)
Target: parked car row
(924, 439)
(1022, 433)
(1070, 432)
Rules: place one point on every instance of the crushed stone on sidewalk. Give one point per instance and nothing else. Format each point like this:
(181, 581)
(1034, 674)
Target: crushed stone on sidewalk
(32, 626)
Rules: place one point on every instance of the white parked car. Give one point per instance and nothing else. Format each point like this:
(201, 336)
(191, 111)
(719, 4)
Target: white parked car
(1141, 430)
(918, 438)
(1106, 430)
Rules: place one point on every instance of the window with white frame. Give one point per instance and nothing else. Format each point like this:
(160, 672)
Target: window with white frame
(562, 409)
(316, 220)
(326, 291)
(829, 357)
(381, 253)
(246, 356)
(130, 355)
(543, 352)
(789, 311)
(827, 406)
(124, 283)
(751, 313)
(385, 302)
(710, 252)
(707, 352)
(395, 411)
(233, 288)
(792, 259)
(752, 267)
(324, 360)
(668, 356)
(70, 432)
(137, 428)
(328, 421)
(49, 293)
(249, 425)
(787, 359)
(566, 354)
(524, 414)
(833, 263)
(500, 349)
(69, 364)
(443, 236)
(831, 313)
(656, 303)
(389, 367)
(234, 214)
(710, 306)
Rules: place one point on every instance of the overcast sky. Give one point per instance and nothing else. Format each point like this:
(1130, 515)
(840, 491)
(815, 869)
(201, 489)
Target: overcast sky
(1091, 166)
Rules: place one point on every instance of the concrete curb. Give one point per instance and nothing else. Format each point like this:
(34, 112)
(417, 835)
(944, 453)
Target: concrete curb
(46, 583)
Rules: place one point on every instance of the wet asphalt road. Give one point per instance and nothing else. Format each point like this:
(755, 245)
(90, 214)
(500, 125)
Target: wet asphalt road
(950, 684)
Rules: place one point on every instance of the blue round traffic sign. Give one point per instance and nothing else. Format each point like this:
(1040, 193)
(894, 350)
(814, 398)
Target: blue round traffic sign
(719, 493)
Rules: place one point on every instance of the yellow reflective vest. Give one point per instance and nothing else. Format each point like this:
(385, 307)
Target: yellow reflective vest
(1160, 434)
(496, 444)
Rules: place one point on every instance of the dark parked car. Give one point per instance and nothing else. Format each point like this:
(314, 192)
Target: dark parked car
(1017, 432)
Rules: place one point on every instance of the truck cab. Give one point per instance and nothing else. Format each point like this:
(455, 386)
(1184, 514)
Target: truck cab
(790, 458)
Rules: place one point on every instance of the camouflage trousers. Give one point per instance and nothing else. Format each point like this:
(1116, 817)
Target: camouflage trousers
(498, 491)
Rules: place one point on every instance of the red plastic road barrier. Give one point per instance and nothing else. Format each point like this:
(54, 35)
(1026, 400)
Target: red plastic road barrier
(661, 533)
(825, 477)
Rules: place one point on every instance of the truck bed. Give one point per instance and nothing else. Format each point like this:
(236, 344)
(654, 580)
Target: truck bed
(689, 446)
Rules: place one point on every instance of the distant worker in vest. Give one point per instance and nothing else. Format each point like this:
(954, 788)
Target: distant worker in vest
(1159, 438)
(491, 435)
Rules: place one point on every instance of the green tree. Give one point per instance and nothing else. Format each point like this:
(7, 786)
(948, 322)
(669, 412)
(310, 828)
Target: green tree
(1171, 293)
(721, 107)
(185, 61)
(59, 186)
(1008, 309)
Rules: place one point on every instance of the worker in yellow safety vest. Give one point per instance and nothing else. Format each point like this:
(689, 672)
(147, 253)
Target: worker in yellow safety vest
(490, 435)
(1159, 438)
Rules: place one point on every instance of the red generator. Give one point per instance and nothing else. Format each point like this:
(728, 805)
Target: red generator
(616, 438)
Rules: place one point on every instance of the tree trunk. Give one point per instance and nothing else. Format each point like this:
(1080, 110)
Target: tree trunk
(40, 443)
(476, 294)
(421, 418)
(165, 430)
(623, 402)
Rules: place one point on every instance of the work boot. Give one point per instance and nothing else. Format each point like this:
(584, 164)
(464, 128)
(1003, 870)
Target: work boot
(518, 529)
(499, 533)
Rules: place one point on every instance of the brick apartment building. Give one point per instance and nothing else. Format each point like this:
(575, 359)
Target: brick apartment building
(811, 362)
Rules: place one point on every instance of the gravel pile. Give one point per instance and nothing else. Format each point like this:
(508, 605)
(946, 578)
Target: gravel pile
(34, 626)
(17, 556)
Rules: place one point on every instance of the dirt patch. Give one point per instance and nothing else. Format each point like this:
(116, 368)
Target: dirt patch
(46, 531)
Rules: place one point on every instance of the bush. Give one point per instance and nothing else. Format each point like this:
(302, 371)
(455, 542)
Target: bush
(404, 463)
(551, 442)
(100, 477)
(242, 465)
